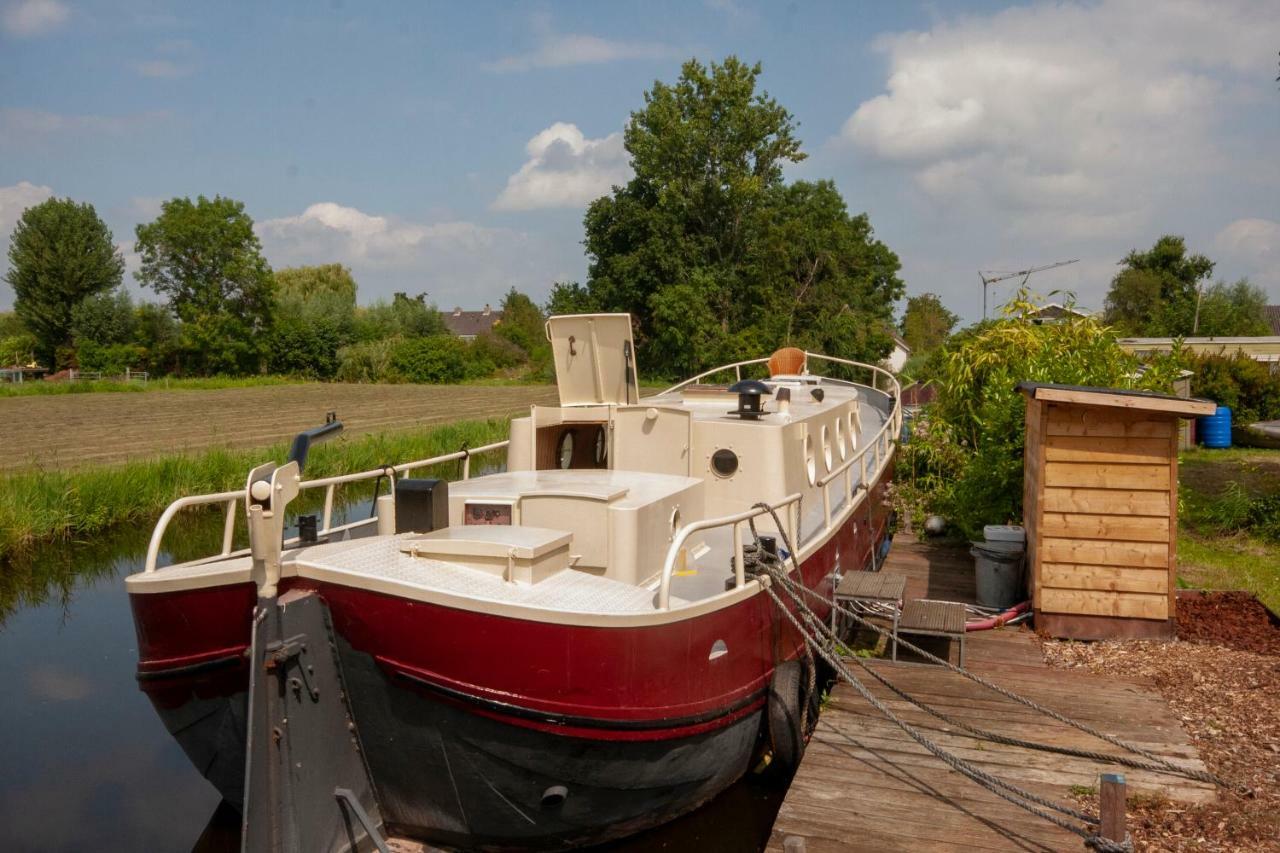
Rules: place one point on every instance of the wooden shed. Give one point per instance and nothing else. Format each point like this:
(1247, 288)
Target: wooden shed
(1101, 509)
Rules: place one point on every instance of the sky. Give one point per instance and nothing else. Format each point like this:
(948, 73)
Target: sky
(452, 148)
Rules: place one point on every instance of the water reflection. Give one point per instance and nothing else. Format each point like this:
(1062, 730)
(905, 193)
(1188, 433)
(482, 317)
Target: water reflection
(85, 764)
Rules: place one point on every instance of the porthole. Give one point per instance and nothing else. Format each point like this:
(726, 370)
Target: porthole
(841, 444)
(853, 431)
(810, 463)
(602, 447)
(724, 462)
(675, 522)
(564, 453)
(826, 447)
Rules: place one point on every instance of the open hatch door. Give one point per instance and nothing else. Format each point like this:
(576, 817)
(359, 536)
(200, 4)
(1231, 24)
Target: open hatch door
(595, 359)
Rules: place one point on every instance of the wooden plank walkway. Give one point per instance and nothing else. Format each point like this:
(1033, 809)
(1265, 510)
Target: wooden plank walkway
(864, 785)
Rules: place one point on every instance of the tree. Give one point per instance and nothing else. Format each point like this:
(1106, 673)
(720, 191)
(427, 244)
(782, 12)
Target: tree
(306, 283)
(315, 317)
(569, 297)
(104, 319)
(408, 316)
(712, 254)
(59, 254)
(926, 323)
(205, 257)
(1155, 293)
(1233, 309)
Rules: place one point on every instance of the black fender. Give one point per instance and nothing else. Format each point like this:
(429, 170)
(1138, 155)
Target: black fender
(783, 716)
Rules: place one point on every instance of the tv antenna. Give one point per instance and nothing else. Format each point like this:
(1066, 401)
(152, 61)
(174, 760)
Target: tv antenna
(990, 277)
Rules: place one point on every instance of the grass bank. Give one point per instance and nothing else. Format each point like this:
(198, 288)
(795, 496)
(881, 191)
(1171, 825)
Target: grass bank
(40, 388)
(1229, 529)
(39, 507)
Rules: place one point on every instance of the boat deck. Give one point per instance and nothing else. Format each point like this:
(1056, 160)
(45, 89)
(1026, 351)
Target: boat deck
(863, 785)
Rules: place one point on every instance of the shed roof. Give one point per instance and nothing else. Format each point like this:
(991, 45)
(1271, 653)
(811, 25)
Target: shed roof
(1118, 398)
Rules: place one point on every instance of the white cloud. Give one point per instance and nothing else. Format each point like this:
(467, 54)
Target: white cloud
(565, 169)
(14, 200)
(1252, 246)
(34, 17)
(456, 262)
(557, 50)
(1066, 118)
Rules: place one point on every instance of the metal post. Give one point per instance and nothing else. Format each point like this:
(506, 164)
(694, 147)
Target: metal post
(1111, 796)
(738, 558)
(229, 527)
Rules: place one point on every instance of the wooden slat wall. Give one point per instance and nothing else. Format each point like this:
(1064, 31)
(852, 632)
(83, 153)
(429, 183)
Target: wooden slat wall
(1101, 510)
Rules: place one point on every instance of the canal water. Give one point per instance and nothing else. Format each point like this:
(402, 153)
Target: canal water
(85, 763)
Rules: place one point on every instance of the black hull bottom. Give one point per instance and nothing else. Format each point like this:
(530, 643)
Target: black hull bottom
(454, 777)
(451, 776)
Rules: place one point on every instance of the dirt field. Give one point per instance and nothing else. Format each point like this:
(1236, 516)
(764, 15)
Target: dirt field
(76, 429)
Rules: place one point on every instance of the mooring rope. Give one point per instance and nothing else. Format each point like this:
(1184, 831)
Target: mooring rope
(1019, 797)
(1159, 761)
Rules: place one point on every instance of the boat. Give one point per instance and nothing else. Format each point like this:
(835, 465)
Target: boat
(566, 650)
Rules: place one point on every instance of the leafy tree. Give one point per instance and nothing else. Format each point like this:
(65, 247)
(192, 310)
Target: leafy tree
(205, 257)
(104, 319)
(711, 252)
(524, 326)
(926, 323)
(569, 297)
(1233, 309)
(306, 283)
(1155, 292)
(315, 317)
(980, 410)
(407, 316)
(59, 254)
(156, 332)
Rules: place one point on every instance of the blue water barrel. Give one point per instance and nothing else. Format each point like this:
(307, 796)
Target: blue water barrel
(1215, 430)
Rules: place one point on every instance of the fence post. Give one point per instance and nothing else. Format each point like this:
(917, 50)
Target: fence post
(1111, 794)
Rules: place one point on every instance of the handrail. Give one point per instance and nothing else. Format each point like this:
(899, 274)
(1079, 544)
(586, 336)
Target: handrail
(677, 543)
(329, 484)
(880, 442)
(737, 365)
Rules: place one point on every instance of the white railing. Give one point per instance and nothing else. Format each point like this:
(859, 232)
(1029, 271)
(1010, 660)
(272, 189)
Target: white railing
(882, 442)
(736, 367)
(330, 486)
(791, 503)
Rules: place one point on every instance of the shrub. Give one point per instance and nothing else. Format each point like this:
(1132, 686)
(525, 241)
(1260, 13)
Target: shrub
(438, 360)
(983, 413)
(368, 361)
(1249, 388)
(110, 359)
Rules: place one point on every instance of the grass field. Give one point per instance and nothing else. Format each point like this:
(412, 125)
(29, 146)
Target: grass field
(42, 506)
(52, 432)
(111, 386)
(1218, 547)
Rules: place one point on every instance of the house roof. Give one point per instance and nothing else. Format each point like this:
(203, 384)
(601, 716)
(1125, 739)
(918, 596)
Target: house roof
(897, 339)
(1055, 310)
(471, 323)
(1118, 398)
(1272, 315)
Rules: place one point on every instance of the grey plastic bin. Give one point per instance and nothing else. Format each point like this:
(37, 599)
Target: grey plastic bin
(999, 569)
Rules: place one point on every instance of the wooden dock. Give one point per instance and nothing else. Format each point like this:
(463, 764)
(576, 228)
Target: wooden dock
(864, 785)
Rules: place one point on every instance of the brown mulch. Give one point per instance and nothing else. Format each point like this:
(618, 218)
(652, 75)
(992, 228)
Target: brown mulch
(1236, 620)
(1229, 703)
